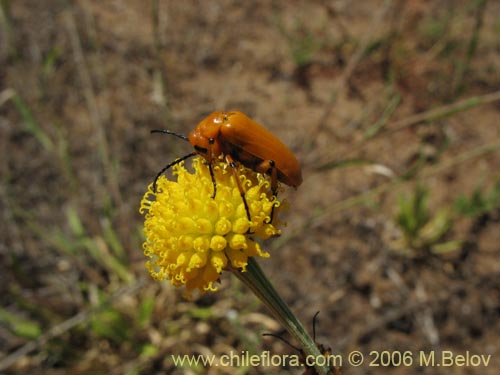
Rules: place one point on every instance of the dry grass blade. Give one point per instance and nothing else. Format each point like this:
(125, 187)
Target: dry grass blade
(319, 215)
(355, 59)
(415, 120)
(67, 325)
(96, 112)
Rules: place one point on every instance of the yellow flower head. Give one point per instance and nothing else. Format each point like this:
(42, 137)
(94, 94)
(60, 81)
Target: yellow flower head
(191, 237)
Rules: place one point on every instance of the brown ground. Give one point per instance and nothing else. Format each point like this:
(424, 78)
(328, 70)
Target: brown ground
(82, 84)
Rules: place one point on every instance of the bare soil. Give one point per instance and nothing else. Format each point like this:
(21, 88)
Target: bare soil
(83, 83)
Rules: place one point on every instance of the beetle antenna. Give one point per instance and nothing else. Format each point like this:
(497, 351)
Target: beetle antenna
(176, 161)
(284, 340)
(314, 325)
(164, 131)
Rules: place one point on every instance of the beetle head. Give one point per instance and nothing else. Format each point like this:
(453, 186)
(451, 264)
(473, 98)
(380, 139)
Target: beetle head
(204, 137)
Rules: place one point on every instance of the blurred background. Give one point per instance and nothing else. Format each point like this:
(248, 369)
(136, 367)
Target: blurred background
(392, 107)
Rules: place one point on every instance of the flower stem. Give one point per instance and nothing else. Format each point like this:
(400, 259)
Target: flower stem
(257, 281)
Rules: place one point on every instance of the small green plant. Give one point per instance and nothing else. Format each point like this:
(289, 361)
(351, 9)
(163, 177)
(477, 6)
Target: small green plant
(423, 232)
(19, 326)
(480, 202)
(104, 249)
(303, 44)
(302, 48)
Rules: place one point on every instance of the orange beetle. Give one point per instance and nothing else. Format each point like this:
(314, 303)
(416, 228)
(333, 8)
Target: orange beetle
(241, 140)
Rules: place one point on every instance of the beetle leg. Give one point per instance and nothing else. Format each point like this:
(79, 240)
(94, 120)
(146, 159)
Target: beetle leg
(213, 179)
(274, 185)
(269, 167)
(273, 171)
(232, 164)
(176, 161)
(211, 141)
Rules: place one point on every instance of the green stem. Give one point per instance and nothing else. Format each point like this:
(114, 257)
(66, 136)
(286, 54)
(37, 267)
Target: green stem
(257, 281)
